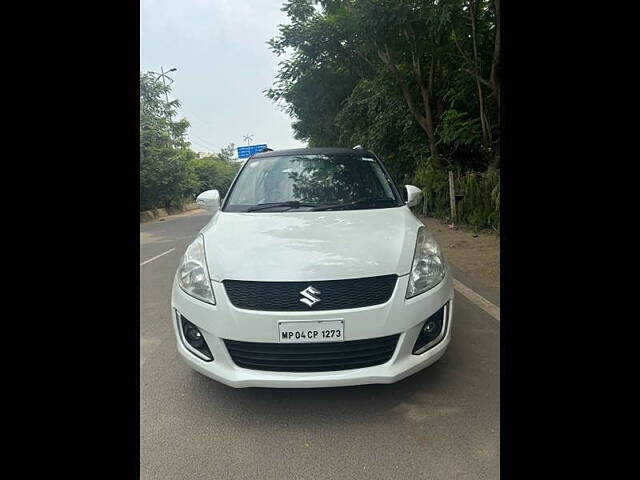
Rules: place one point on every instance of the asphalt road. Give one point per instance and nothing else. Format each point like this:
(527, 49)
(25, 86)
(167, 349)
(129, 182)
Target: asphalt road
(441, 423)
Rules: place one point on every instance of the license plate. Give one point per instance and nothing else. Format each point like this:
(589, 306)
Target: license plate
(311, 332)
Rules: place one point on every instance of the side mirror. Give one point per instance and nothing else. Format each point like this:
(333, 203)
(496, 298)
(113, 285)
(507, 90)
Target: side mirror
(414, 195)
(209, 200)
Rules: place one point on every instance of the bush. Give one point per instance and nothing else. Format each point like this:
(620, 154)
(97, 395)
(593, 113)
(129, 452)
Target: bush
(435, 187)
(213, 173)
(479, 206)
(166, 179)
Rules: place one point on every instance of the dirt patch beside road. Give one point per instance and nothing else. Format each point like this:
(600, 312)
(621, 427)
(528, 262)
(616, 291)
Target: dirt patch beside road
(476, 255)
(150, 215)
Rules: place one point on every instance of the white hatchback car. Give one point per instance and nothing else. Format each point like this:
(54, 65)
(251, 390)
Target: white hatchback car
(314, 272)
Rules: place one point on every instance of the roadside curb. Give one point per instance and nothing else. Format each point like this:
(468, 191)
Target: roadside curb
(156, 213)
(489, 293)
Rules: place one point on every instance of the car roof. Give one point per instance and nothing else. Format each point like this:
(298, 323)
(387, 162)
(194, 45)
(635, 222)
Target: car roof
(314, 151)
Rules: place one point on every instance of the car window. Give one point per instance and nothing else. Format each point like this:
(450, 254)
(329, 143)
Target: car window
(310, 179)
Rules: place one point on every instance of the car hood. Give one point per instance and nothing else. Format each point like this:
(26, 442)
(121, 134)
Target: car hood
(308, 246)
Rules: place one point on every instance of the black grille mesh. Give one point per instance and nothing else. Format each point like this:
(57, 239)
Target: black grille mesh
(312, 357)
(334, 294)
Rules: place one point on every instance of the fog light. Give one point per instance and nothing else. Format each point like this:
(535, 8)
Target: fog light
(194, 337)
(432, 331)
(429, 327)
(193, 340)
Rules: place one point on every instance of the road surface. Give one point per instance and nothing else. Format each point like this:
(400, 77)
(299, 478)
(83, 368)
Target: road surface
(441, 423)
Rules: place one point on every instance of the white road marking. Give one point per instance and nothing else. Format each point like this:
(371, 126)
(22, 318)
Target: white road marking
(156, 257)
(479, 300)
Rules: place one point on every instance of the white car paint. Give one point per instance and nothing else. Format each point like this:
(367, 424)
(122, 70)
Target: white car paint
(308, 246)
(414, 195)
(311, 246)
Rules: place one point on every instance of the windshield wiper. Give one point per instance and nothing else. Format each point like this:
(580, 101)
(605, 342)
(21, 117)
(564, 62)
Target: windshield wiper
(358, 203)
(291, 204)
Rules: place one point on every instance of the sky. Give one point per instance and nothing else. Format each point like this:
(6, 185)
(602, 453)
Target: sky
(223, 66)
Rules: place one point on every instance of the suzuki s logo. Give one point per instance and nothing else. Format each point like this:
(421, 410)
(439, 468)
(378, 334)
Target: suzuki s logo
(309, 296)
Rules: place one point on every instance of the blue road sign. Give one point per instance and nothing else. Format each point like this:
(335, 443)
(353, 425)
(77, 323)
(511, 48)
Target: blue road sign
(244, 152)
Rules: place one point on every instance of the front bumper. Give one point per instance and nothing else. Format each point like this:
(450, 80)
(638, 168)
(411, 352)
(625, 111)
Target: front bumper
(396, 316)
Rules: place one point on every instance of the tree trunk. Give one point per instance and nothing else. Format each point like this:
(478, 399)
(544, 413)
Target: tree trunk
(428, 123)
(494, 79)
(484, 123)
(424, 120)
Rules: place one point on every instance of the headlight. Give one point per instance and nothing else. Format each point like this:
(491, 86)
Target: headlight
(193, 275)
(428, 266)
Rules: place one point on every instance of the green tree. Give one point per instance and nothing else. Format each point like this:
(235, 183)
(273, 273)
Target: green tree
(416, 81)
(227, 153)
(166, 171)
(312, 85)
(215, 173)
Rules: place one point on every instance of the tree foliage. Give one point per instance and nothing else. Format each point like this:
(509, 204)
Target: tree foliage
(170, 172)
(166, 174)
(215, 172)
(416, 81)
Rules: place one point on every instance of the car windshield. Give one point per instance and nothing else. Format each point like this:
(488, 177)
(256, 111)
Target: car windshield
(311, 182)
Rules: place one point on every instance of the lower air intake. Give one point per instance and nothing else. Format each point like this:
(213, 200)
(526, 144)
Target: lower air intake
(312, 357)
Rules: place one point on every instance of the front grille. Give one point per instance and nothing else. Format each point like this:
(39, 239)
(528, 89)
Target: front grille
(334, 294)
(312, 357)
